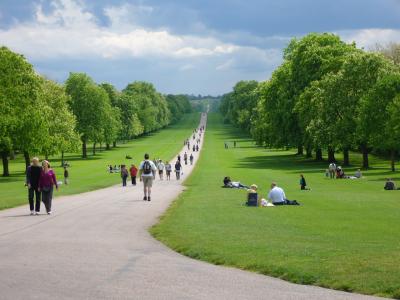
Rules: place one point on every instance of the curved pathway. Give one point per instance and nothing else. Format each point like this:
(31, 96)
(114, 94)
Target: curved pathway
(96, 245)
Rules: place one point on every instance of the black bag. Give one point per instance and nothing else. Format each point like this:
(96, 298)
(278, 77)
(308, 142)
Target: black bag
(252, 199)
(147, 167)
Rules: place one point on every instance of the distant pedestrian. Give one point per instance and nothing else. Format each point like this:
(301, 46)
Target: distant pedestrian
(161, 168)
(46, 183)
(191, 159)
(168, 169)
(147, 172)
(185, 158)
(303, 183)
(194, 148)
(178, 168)
(124, 174)
(133, 171)
(188, 146)
(66, 175)
(179, 157)
(197, 148)
(332, 170)
(32, 182)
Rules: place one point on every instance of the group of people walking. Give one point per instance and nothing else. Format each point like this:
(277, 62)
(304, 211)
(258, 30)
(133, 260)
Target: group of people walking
(148, 169)
(41, 180)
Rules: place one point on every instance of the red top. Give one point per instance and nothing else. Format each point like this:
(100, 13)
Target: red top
(47, 179)
(133, 171)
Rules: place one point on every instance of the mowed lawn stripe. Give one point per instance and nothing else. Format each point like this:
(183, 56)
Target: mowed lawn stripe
(344, 236)
(91, 173)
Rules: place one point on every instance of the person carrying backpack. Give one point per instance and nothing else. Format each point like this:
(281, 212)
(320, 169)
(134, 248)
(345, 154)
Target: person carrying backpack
(178, 168)
(147, 172)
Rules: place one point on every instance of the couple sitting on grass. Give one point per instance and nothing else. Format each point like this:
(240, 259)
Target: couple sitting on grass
(276, 195)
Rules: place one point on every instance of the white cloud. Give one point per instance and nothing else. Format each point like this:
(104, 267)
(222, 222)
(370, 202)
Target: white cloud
(71, 31)
(367, 38)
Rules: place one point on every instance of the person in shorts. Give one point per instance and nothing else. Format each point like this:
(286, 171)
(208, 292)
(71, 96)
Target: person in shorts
(147, 173)
(161, 168)
(168, 169)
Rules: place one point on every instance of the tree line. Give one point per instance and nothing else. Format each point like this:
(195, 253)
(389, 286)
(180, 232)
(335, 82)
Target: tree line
(40, 116)
(327, 95)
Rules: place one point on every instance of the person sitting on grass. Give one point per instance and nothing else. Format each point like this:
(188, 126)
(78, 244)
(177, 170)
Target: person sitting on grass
(389, 185)
(278, 197)
(252, 196)
(233, 184)
(358, 174)
(339, 172)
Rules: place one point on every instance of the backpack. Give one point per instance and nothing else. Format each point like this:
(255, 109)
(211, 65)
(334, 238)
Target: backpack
(147, 167)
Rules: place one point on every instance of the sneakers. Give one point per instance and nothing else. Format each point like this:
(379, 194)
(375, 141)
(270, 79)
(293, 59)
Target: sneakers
(49, 212)
(148, 199)
(36, 213)
(144, 198)
(32, 212)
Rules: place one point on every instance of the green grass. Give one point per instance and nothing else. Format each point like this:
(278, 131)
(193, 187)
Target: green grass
(345, 235)
(90, 174)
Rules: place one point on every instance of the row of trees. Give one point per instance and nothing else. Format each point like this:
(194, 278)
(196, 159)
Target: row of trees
(326, 95)
(39, 116)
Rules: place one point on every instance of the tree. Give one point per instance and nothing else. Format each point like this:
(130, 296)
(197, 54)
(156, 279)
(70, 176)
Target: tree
(88, 102)
(60, 135)
(19, 86)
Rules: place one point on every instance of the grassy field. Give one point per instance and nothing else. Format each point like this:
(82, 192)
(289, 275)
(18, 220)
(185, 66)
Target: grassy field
(345, 235)
(91, 174)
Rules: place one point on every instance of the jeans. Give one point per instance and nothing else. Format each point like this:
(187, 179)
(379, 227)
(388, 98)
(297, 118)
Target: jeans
(33, 192)
(133, 180)
(47, 197)
(124, 180)
(286, 202)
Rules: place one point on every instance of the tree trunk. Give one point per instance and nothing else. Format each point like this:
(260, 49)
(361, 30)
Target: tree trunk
(114, 144)
(346, 157)
(94, 148)
(364, 151)
(4, 156)
(318, 154)
(84, 150)
(27, 159)
(107, 146)
(309, 152)
(392, 160)
(300, 150)
(62, 158)
(331, 155)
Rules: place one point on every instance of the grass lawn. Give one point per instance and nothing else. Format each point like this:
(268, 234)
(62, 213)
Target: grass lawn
(91, 174)
(345, 236)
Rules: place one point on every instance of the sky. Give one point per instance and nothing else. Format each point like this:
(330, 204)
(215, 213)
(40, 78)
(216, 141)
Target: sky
(182, 46)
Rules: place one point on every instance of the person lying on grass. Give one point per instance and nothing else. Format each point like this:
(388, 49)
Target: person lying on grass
(278, 197)
(228, 183)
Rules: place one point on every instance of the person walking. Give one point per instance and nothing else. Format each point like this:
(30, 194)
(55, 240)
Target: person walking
(178, 168)
(46, 183)
(133, 171)
(161, 168)
(303, 183)
(168, 169)
(66, 175)
(179, 157)
(185, 158)
(147, 172)
(191, 158)
(124, 174)
(32, 182)
(197, 148)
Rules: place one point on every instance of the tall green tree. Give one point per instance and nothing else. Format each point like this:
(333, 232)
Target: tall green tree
(20, 121)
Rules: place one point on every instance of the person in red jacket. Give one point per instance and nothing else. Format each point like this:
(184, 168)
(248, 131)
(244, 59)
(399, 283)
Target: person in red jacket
(133, 171)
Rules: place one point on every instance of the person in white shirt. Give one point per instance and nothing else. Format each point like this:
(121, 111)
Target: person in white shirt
(278, 197)
(147, 172)
(161, 168)
(168, 169)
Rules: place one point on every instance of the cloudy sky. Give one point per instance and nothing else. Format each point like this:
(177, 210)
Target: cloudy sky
(182, 46)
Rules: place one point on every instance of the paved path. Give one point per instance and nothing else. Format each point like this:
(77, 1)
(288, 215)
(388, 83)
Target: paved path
(96, 246)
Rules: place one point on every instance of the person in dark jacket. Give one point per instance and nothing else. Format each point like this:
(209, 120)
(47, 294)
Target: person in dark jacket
(32, 182)
(303, 183)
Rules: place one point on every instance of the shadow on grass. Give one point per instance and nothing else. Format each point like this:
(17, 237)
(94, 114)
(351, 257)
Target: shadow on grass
(15, 176)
